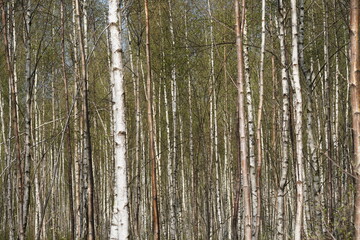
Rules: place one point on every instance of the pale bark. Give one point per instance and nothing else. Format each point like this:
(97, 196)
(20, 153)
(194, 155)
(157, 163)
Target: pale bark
(309, 117)
(36, 154)
(317, 181)
(214, 154)
(173, 149)
(77, 146)
(257, 217)
(280, 232)
(120, 218)
(193, 207)
(13, 127)
(298, 124)
(27, 160)
(251, 128)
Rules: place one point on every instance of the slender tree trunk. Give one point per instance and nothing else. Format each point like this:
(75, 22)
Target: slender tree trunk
(241, 116)
(214, 154)
(355, 102)
(328, 127)
(13, 123)
(191, 134)
(256, 226)
(79, 222)
(280, 233)
(173, 150)
(36, 156)
(86, 130)
(298, 124)
(68, 143)
(251, 126)
(28, 76)
(136, 166)
(155, 210)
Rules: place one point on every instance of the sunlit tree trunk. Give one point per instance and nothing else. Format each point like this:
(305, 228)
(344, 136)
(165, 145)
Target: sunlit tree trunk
(120, 219)
(280, 232)
(298, 124)
(250, 125)
(257, 217)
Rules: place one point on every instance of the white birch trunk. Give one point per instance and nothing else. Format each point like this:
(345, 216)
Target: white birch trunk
(27, 159)
(120, 218)
(298, 124)
(173, 181)
(251, 127)
(280, 232)
(213, 125)
(256, 214)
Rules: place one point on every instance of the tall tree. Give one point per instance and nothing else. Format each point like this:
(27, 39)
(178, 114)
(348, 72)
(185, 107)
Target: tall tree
(155, 210)
(120, 219)
(280, 234)
(86, 129)
(29, 83)
(239, 27)
(257, 217)
(298, 123)
(68, 140)
(354, 82)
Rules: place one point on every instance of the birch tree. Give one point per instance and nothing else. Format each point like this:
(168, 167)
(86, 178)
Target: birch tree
(257, 216)
(241, 115)
(86, 130)
(298, 123)
(280, 234)
(120, 219)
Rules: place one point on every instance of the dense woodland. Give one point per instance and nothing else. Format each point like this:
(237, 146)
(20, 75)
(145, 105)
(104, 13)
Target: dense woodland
(180, 119)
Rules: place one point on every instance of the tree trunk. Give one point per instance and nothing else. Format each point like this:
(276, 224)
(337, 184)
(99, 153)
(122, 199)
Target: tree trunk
(256, 229)
(241, 116)
(298, 124)
(86, 130)
(68, 142)
(355, 102)
(280, 232)
(27, 159)
(120, 219)
(173, 147)
(156, 227)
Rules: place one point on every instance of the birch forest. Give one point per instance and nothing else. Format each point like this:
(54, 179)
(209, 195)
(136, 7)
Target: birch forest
(180, 119)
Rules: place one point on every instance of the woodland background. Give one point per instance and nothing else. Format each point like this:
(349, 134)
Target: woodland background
(56, 129)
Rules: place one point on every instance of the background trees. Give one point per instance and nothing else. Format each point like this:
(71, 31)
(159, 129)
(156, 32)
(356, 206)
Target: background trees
(57, 152)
